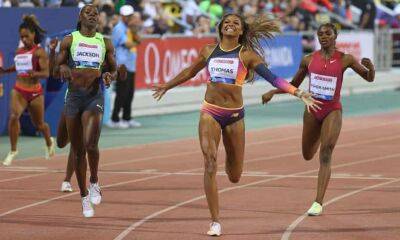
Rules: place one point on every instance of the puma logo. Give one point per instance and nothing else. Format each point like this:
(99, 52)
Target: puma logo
(99, 106)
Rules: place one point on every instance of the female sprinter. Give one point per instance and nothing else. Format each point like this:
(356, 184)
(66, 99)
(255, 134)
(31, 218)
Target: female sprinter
(85, 50)
(31, 65)
(321, 127)
(228, 63)
(62, 134)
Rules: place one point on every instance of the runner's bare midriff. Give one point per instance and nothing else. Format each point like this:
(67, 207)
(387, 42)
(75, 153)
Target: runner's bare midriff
(84, 78)
(224, 95)
(27, 82)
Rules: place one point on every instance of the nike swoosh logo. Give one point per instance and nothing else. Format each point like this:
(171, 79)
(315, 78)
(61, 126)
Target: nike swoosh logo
(332, 61)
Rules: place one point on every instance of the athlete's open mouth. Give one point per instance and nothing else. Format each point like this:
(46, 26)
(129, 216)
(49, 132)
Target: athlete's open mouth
(230, 29)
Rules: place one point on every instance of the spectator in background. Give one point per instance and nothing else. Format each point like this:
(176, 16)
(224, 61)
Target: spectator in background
(348, 13)
(190, 13)
(125, 46)
(278, 8)
(107, 18)
(150, 8)
(250, 9)
(213, 9)
(339, 7)
(228, 6)
(396, 23)
(202, 25)
(5, 3)
(386, 20)
(69, 3)
(148, 26)
(368, 13)
(52, 3)
(20, 3)
(326, 3)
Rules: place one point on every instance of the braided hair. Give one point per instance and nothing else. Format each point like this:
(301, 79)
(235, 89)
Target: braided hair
(32, 24)
(260, 27)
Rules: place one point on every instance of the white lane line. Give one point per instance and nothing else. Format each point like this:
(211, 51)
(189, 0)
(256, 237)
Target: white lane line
(37, 169)
(189, 170)
(75, 193)
(298, 136)
(135, 225)
(250, 174)
(22, 177)
(347, 176)
(389, 123)
(23, 167)
(295, 223)
(43, 169)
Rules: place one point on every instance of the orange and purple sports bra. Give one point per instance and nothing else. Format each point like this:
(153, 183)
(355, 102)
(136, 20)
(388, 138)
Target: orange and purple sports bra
(226, 66)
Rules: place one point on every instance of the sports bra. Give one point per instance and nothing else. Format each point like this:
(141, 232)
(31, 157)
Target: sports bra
(226, 66)
(326, 76)
(87, 52)
(25, 60)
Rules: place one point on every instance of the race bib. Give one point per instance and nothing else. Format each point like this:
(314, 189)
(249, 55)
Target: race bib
(225, 68)
(23, 63)
(322, 87)
(87, 55)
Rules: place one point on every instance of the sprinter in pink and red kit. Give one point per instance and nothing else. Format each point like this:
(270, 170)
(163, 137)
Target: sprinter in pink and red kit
(31, 65)
(321, 127)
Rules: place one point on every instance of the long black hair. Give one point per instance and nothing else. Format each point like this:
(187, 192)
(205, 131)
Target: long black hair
(262, 26)
(32, 24)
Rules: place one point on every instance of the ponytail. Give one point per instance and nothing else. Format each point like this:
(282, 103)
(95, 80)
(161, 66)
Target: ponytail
(260, 27)
(32, 24)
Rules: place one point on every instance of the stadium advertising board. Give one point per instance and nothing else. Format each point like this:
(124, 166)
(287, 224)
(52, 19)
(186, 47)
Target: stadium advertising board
(162, 59)
(283, 54)
(159, 60)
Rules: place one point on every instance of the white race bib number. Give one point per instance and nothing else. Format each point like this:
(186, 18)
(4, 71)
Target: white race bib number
(23, 62)
(223, 67)
(322, 86)
(87, 55)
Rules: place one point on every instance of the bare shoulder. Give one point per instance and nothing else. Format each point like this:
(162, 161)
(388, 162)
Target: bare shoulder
(307, 59)
(108, 44)
(40, 52)
(67, 40)
(348, 59)
(107, 41)
(207, 50)
(247, 53)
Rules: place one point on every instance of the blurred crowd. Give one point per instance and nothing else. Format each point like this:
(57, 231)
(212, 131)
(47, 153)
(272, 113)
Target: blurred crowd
(196, 17)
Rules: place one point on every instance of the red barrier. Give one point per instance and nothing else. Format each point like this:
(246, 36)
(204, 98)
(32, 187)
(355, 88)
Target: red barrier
(160, 60)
